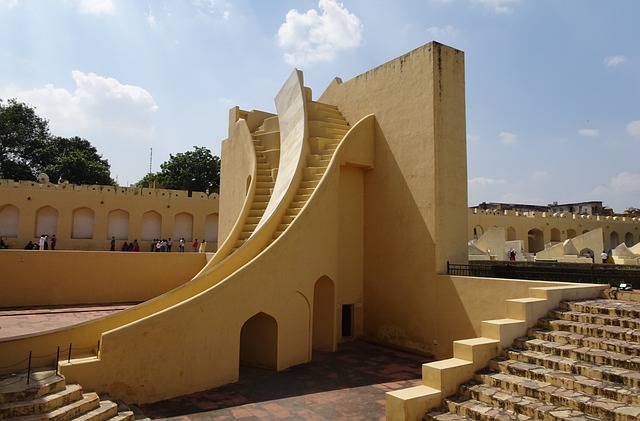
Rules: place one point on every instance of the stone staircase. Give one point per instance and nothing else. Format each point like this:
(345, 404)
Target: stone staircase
(327, 127)
(582, 362)
(48, 397)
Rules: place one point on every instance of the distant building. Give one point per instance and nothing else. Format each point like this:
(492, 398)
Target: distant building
(580, 208)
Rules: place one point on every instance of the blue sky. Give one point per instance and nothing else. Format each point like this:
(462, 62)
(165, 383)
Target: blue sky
(552, 86)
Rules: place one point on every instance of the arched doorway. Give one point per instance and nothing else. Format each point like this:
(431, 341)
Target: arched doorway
(628, 239)
(535, 241)
(477, 232)
(511, 234)
(614, 239)
(555, 235)
(259, 342)
(211, 228)
(323, 335)
(571, 233)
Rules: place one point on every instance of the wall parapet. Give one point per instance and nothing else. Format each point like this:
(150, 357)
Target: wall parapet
(555, 215)
(100, 189)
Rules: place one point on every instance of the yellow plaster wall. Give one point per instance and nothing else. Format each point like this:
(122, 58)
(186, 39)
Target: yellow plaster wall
(418, 182)
(34, 278)
(30, 197)
(522, 223)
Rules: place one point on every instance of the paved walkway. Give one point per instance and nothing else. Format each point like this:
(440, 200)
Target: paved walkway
(349, 384)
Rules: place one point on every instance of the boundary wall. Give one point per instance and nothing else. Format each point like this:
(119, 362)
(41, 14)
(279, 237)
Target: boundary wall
(85, 217)
(537, 230)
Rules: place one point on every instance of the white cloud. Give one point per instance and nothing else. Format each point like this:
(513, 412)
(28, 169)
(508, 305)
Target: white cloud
(539, 175)
(310, 37)
(445, 33)
(633, 128)
(613, 61)
(498, 6)
(485, 181)
(625, 182)
(97, 103)
(95, 7)
(151, 19)
(507, 138)
(8, 4)
(589, 132)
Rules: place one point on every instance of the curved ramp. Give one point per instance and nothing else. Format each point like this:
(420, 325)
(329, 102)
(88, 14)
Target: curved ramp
(246, 307)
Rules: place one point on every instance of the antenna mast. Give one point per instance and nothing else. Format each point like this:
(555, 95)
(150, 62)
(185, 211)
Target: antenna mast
(150, 159)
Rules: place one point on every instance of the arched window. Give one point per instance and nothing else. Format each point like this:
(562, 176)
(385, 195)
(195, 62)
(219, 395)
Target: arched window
(535, 240)
(614, 239)
(628, 239)
(571, 233)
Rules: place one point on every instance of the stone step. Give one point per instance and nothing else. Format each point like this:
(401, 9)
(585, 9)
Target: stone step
(520, 404)
(43, 404)
(476, 410)
(444, 415)
(621, 308)
(576, 352)
(123, 416)
(595, 318)
(629, 378)
(105, 410)
(599, 406)
(584, 384)
(614, 332)
(14, 387)
(68, 412)
(607, 344)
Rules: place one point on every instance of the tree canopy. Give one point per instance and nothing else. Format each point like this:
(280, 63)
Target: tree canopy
(27, 148)
(197, 170)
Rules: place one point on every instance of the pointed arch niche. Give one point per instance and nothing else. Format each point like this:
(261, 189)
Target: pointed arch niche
(9, 221)
(46, 221)
(118, 224)
(83, 223)
(183, 226)
(259, 342)
(211, 228)
(151, 226)
(323, 335)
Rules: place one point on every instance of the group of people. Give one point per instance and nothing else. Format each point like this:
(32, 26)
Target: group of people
(44, 243)
(159, 245)
(199, 247)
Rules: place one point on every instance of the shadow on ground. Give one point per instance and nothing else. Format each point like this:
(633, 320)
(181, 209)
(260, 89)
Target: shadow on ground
(358, 368)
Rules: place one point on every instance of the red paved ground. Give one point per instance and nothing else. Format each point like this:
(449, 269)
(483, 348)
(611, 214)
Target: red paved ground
(349, 384)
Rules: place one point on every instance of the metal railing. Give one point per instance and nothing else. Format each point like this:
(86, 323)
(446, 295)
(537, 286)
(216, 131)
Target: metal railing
(613, 275)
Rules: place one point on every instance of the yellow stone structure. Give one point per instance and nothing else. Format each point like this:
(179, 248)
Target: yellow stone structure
(339, 215)
(87, 217)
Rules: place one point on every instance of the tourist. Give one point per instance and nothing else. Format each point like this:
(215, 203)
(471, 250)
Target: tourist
(604, 255)
(46, 242)
(41, 242)
(125, 246)
(203, 246)
(30, 245)
(54, 240)
(113, 244)
(169, 244)
(3, 245)
(195, 246)
(181, 245)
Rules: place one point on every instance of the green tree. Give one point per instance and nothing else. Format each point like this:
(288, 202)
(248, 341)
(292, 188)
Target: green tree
(22, 133)
(27, 149)
(196, 170)
(75, 160)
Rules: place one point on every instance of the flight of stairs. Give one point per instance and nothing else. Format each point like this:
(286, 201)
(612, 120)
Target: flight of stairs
(48, 397)
(327, 127)
(265, 181)
(582, 362)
